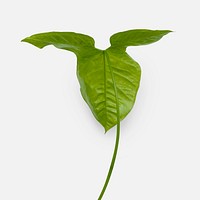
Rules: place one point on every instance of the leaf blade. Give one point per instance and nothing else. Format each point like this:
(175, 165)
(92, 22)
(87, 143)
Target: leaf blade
(137, 37)
(71, 41)
(101, 77)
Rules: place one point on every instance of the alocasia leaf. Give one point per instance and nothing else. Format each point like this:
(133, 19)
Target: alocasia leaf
(109, 79)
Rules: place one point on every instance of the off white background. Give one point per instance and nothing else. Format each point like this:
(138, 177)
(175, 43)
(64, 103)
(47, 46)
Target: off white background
(51, 147)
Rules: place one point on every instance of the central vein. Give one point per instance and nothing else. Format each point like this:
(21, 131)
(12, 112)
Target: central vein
(105, 88)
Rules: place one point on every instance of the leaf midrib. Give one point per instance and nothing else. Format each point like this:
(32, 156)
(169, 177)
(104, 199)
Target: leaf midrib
(114, 84)
(105, 88)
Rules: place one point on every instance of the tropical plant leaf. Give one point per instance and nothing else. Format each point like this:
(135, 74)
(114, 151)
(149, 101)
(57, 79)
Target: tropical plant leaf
(109, 79)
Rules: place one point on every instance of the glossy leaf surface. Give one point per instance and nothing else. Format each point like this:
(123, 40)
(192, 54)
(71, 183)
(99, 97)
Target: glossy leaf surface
(109, 79)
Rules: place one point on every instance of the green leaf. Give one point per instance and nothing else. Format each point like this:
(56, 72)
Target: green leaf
(137, 37)
(71, 41)
(109, 79)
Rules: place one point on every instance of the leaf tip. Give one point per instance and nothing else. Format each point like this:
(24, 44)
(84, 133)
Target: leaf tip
(105, 130)
(23, 40)
(34, 41)
(168, 31)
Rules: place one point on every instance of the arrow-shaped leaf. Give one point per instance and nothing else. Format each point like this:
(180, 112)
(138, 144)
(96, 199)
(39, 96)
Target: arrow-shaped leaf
(109, 79)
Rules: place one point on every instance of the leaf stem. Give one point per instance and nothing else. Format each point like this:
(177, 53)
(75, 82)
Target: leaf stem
(112, 162)
(106, 57)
